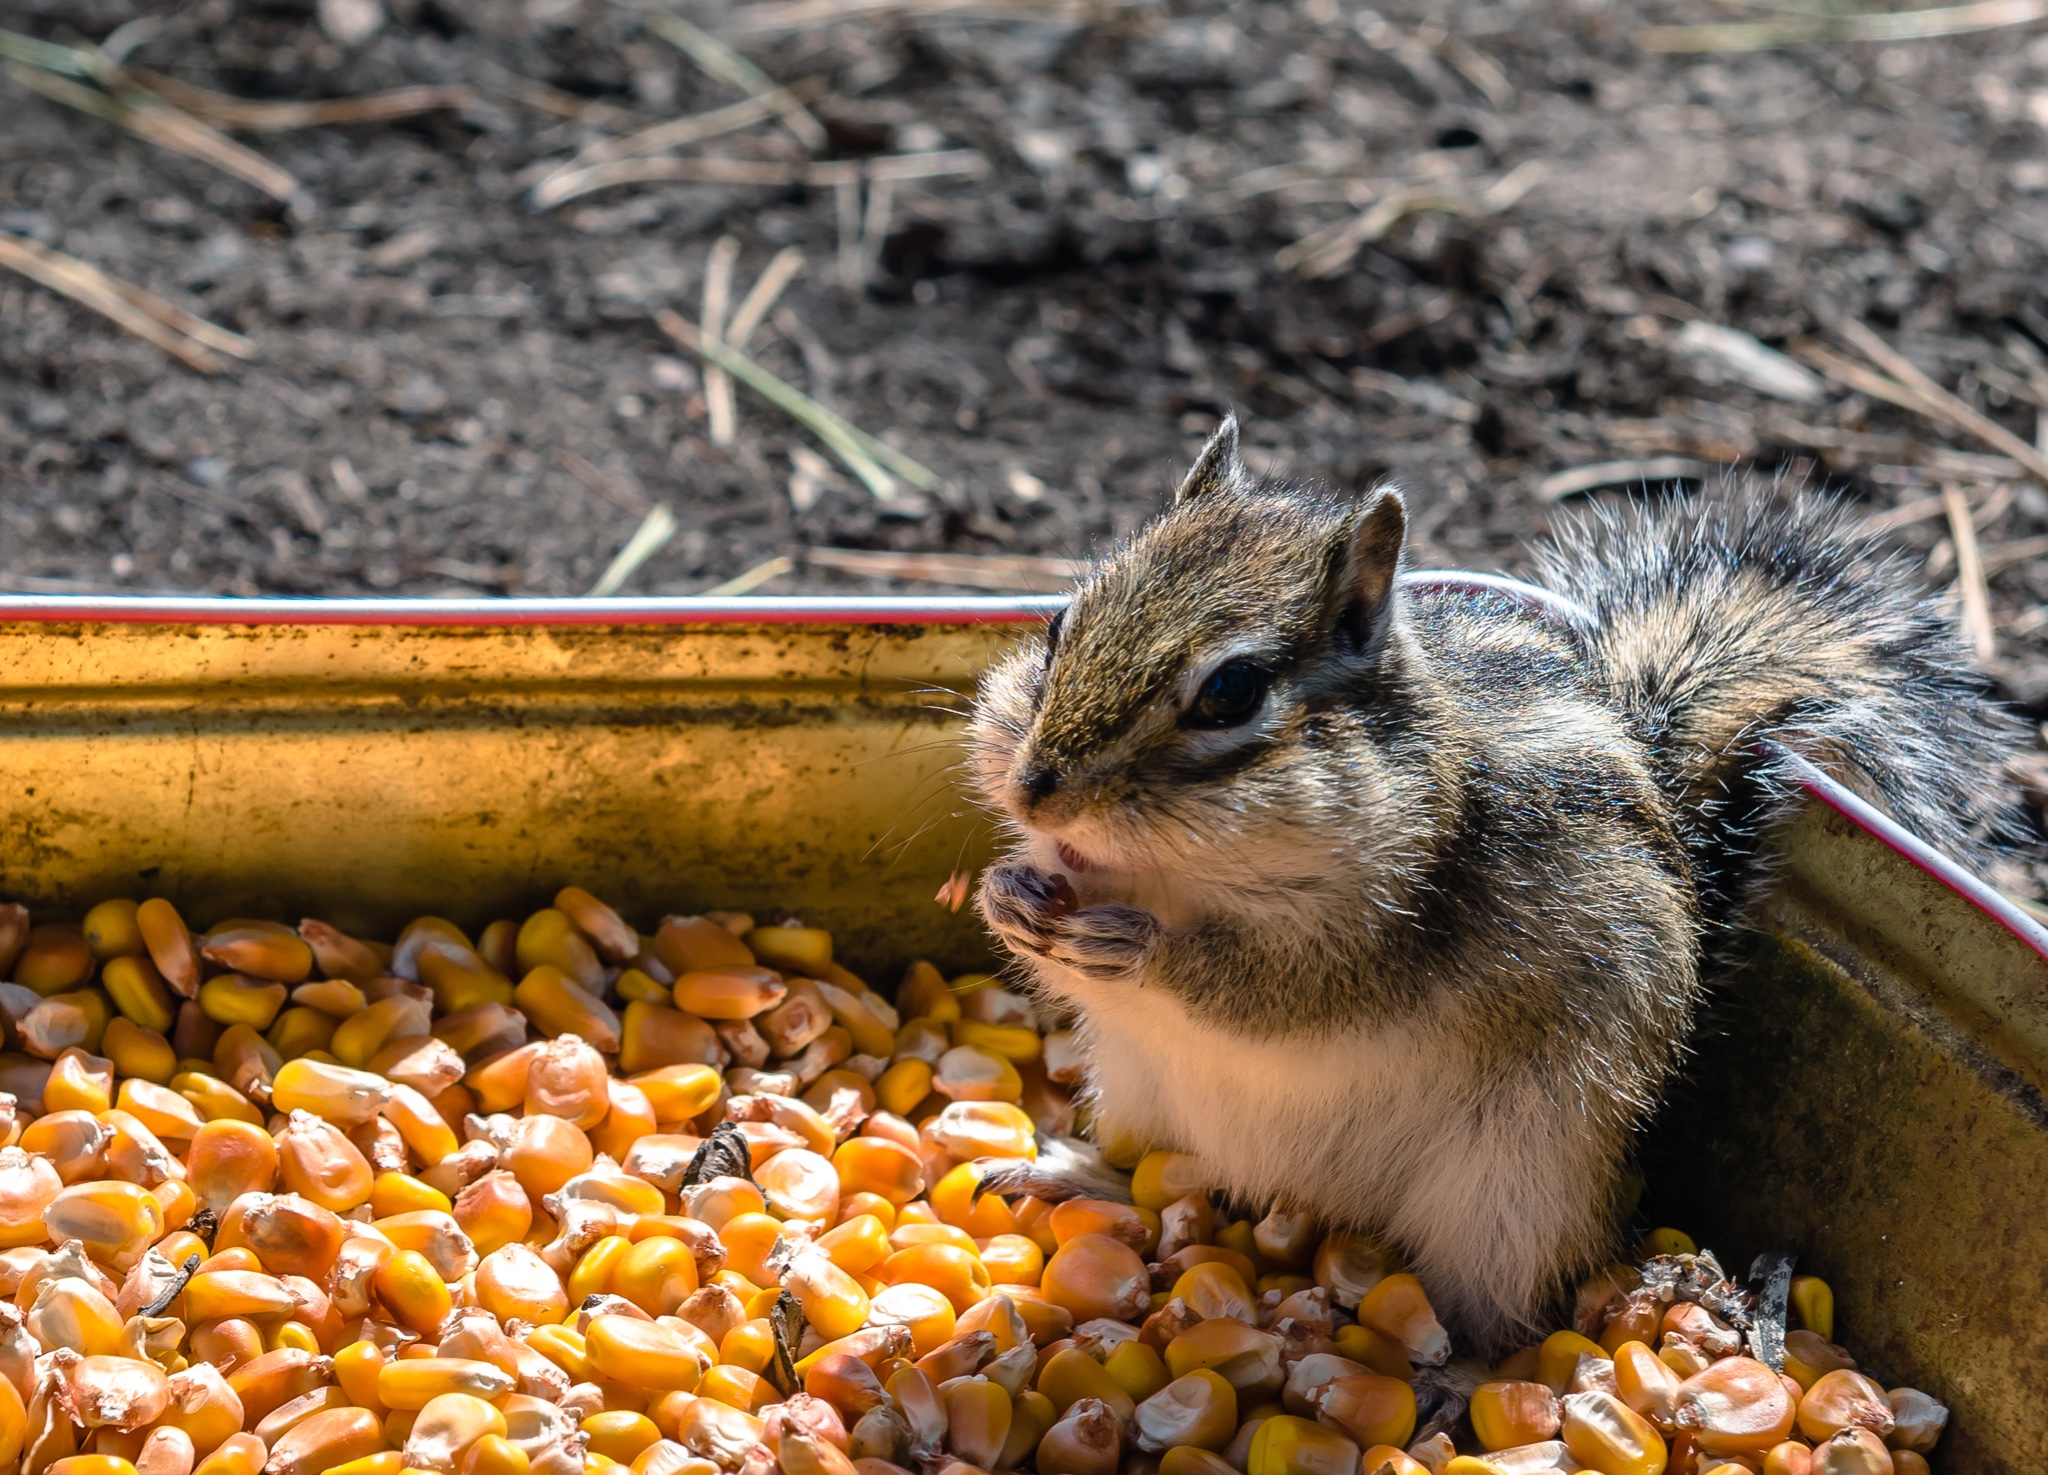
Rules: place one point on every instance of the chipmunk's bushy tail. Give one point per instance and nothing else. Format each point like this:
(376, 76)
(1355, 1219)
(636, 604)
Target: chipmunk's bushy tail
(1758, 613)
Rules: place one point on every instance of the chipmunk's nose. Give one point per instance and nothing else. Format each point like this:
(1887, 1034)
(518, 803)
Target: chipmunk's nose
(1039, 782)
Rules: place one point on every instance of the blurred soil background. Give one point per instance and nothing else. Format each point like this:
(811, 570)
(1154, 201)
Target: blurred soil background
(1511, 256)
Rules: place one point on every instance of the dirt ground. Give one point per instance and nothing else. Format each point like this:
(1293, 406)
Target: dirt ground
(453, 392)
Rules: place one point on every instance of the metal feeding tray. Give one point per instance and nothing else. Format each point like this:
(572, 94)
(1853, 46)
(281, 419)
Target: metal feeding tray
(1867, 1092)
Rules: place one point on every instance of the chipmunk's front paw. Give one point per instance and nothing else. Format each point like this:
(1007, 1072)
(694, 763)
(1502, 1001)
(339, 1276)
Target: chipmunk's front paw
(1036, 913)
(1106, 942)
(1023, 905)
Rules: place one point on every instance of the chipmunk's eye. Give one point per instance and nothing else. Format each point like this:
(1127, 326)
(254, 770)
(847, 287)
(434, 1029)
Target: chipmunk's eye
(1233, 693)
(1052, 633)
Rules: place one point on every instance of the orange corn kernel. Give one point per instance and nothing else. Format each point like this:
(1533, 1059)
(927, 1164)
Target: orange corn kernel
(1736, 1406)
(1400, 1307)
(514, 1282)
(316, 1160)
(1838, 1400)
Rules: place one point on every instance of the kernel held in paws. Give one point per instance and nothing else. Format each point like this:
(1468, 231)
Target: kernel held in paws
(281, 1201)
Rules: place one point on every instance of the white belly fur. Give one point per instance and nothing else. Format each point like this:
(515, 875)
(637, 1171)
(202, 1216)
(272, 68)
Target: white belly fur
(1360, 1128)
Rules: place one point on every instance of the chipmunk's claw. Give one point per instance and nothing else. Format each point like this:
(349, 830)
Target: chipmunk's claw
(1442, 1395)
(1064, 1169)
(1106, 942)
(1035, 913)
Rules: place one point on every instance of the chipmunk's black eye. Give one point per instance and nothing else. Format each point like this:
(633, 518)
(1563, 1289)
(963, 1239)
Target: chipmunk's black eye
(1231, 696)
(1052, 633)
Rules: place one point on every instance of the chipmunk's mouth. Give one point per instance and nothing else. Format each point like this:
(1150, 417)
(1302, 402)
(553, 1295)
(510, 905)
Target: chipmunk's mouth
(1071, 858)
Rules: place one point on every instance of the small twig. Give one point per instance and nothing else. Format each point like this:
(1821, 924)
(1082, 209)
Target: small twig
(751, 580)
(555, 102)
(1013, 573)
(844, 175)
(226, 111)
(192, 341)
(166, 127)
(711, 322)
(805, 15)
(1559, 485)
(1325, 252)
(1896, 25)
(612, 488)
(674, 134)
(845, 182)
(874, 229)
(768, 287)
(1977, 628)
(654, 531)
(839, 437)
(1958, 414)
(722, 62)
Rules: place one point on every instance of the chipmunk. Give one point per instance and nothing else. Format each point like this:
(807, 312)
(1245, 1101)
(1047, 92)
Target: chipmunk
(1393, 905)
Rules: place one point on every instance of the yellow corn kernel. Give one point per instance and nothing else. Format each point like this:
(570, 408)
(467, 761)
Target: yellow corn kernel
(965, 1073)
(300, 1031)
(79, 1082)
(1558, 1358)
(355, 1040)
(414, 1382)
(214, 1099)
(401, 1193)
(1140, 1371)
(833, 1301)
(899, 1088)
(110, 931)
(557, 1005)
(1071, 1375)
(235, 999)
(491, 1455)
(334, 1093)
(802, 950)
(426, 1132)
(1285, 1445)
(356, 1367)
(337, 998)
(735, 1387)
(642, 1354)
(619, 1435)
(91, 1465)
(238, 1454)
(549, 938)
(116, 1221)
(975, 1129)
(137, 1051)
(387, 1462)
(952, 1200)
(213, 1294)
(413, 1292)
(656, 1275)
(636, 987)
(292, 1334)
(139, 992)
(1162, 1178)
(564, 1348)
(1505, 1414)
(592, 1274)
(679, 1092)
(1815, 1304)
(750, 1345)
(159, 1108)
(978, 1414)
(1016, 1043)
(1606, 1435)
(1668, 1242)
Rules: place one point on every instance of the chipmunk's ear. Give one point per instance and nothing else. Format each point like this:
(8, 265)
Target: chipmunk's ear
(1218, 468)
(1367, 568)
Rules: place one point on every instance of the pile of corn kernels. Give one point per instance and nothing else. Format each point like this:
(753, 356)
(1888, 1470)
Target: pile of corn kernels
(288, 1201)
